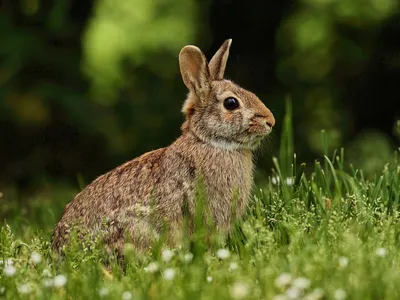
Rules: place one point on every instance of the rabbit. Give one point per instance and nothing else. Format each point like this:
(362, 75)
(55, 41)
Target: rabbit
(136, 201)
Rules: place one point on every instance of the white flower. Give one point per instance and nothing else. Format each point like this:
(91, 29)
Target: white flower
(167, 255)
(239, 290)
(289, 181)
(340, 294)
(275, 180)
(48, 282)
(2, 290)
(169, 274)
(233, 266)
(283, 280)
(188, 257)
(209, 279)
(293, 292)
(9, 270)
(381, 252)
(152, 267)
(36, 257)
(60, 280)
(126, 295)
(343, 262)
(24, 288)
(223, 253)
(301, 283)
(103, 292)
(46, 272)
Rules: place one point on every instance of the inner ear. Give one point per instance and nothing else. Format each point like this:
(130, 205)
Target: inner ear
(217, 64)
(194, 70)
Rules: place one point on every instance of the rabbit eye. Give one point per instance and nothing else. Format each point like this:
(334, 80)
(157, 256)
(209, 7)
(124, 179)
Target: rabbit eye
(231, 103)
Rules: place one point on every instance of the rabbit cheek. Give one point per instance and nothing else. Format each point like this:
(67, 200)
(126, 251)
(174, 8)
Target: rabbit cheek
(228, 117)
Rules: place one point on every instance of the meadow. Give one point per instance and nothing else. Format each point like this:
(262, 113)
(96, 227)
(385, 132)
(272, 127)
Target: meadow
(313, 232)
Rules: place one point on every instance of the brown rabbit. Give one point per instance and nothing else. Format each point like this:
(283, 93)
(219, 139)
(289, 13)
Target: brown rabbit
(224, 123)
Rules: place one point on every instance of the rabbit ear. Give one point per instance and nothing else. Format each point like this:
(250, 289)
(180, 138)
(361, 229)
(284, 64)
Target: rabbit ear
(218, 62)
(194, 70)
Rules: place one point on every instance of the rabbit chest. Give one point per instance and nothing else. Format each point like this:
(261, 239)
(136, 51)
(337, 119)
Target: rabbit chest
(228, 181)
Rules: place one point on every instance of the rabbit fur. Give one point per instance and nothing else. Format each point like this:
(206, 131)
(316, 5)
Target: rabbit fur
(146, 195)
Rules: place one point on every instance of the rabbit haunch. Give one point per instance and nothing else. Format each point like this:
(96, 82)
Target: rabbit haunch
(140, 198)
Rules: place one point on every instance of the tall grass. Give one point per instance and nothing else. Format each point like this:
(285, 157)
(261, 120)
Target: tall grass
(326, 234)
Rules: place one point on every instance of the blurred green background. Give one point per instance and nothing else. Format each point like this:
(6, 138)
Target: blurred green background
(87, 85)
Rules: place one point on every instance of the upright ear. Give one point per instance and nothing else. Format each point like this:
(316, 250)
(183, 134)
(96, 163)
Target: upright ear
(218, 62)
(194, 70)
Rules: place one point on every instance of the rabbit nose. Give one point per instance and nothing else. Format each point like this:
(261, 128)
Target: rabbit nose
(270, 120)
(267, 118)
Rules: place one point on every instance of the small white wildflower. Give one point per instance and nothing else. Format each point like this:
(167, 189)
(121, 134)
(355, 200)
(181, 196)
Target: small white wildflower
(169, 274)
(289, 181)
(36, 257)
(9, 270)
(24, 288)
(152, 267)
(280, 297)
(188, 257)
(46, 272)
(293, 292)
(340, 294)
(239, 290)
(233, 266)
(167, 255)
(126, 295)
(223, 253)
(381, 252)
(275, 180)
(283, 280)
(48, 282)
(301, 283)
(103, 292)
(209, 279)
(2, 290)
(343, 262)
(60, 280)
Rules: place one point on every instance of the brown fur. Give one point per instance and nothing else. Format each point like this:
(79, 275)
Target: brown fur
(139, 197)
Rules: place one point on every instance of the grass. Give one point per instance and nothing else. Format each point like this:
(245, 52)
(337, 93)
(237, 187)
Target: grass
(325, 234)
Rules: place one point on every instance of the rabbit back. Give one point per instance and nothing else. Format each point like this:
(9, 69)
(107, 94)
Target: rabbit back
(136, 199)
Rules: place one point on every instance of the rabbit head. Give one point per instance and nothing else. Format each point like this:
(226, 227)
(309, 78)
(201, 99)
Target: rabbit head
(218, 111)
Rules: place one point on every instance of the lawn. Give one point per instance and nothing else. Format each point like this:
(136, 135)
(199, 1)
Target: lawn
(316, 232)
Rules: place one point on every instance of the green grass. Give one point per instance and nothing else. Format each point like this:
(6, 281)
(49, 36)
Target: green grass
(325, 234)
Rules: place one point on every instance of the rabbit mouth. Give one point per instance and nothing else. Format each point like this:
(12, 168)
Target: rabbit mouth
(259, 131)
(256, 132)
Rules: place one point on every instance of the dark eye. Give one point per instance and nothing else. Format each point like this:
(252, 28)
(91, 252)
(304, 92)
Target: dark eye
(231, 103)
